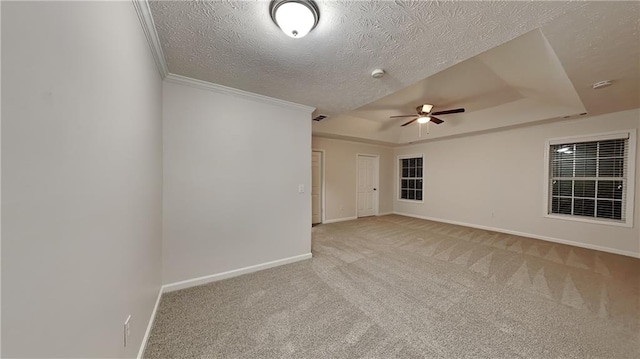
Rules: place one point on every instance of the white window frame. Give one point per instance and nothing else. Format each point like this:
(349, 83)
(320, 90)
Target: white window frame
(630, 168)
(399, 177)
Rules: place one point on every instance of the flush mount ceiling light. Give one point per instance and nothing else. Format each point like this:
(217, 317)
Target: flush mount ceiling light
(295, 17)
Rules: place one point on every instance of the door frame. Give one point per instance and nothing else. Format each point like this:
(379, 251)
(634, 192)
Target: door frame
(376, 181)
(322, 185)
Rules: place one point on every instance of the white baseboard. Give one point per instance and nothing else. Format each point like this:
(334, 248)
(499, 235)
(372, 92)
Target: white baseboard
(339, 220)
(143, 346)
(384, 214)
(523, 234)
(230, 274)
(208, 279)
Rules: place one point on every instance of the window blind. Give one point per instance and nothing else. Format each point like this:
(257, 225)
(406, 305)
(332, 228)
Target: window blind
(589, 178)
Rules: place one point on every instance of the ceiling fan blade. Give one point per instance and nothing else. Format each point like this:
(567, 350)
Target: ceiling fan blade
(436, 120)
(410, 122)
(403, 116)
(446, 112)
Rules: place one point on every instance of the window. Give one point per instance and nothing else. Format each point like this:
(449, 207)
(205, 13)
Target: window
(411, 178)
(589, 177)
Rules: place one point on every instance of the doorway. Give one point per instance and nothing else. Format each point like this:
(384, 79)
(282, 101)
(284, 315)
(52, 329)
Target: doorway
(317, 179)
(367, 185)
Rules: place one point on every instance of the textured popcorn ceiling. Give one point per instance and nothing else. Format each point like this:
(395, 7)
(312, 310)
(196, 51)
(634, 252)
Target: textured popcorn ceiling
(235, 43)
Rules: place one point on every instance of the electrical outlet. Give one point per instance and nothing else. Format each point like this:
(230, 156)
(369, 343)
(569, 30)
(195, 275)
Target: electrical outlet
(126, 330)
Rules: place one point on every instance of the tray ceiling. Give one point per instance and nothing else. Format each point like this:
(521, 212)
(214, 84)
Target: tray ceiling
(235, 44)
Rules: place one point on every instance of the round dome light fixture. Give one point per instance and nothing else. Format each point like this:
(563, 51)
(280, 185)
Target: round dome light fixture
(424, 119)
(295, 17)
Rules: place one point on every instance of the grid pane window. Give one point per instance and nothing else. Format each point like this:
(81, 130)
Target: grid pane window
(411, 178)
(588, 179)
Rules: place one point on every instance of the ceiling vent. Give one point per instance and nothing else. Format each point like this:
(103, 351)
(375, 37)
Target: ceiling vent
(602, 84)
(320, 117)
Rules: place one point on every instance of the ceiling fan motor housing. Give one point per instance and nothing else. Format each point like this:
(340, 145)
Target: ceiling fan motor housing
(424, 109)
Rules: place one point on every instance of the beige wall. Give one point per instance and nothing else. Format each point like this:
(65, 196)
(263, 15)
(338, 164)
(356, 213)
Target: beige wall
(470, 178)
(231, 182)
(81, 179)
(340, 176)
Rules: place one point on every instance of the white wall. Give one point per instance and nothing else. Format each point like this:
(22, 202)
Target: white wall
(232, 166)
(0, 178)
(340, 176)
(81, 179)
(469, 178)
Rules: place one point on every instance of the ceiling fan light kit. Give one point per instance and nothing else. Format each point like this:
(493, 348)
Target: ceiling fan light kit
(296, 18)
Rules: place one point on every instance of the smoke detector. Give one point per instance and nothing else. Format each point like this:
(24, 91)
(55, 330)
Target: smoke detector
(602, 84)
(377, 73)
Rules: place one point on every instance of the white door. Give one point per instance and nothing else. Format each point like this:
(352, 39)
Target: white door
(316, 187)
(367, 185)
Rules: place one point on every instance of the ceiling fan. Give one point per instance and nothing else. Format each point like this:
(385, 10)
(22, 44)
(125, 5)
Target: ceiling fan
(425, 115)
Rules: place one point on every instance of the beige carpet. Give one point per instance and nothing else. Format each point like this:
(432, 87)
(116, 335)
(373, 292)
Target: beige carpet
(397, 287)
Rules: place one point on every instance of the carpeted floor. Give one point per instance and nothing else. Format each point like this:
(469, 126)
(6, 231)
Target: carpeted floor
(398, 287)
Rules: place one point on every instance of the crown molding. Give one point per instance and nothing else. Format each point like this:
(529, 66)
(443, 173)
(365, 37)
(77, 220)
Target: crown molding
(149, 28)
(350, 139)
(208, 86)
